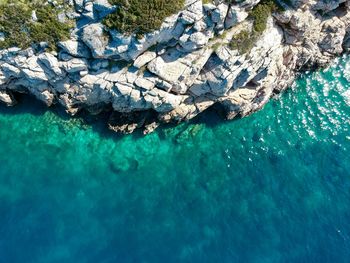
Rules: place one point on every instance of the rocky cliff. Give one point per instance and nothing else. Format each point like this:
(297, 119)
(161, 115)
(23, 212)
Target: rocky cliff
(190, 64)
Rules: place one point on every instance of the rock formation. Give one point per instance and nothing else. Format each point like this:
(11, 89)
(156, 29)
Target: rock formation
(180, 70)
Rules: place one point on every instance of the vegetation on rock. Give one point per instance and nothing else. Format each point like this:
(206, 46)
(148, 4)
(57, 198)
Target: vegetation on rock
(25, 22)
(261, 13)
(141, 16)
(245, 40)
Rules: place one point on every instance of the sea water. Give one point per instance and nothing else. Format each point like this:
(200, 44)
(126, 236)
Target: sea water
(272, 187)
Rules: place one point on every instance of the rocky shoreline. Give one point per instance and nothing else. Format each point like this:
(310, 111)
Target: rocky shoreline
(180, 70)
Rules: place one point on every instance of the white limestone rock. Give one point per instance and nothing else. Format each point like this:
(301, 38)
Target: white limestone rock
(144, 59)
(191, 68)
(7, 98)
(194, 41)
(9, 71)
(51, 63)
(94, 37)
(234, 16)
(75, 48)
(102, 8)
(74, 65)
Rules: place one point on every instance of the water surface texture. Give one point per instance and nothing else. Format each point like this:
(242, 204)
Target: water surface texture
(273, 187)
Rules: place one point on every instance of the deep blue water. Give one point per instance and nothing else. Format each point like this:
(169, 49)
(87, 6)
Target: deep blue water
(272, 187)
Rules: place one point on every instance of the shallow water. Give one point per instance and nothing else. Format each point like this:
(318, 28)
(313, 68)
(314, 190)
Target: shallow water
(272, 187)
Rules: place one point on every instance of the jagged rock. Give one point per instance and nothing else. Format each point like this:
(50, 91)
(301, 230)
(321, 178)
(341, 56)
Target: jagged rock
(75, 48)
(346, 44)
(145, 58)
(193, 13)
(9, 71)
(180, 70)
(144, 83)
(218, 15)
(51, 63)
(247, 4)
(334, 30)
(327, 6)
(75, 65)
(7, 98)
(103, 8)
(194, 41)
(94, 37)
(168, 66)
(88, 10)
(234, 16)
(45, 96)
(79, 5)
(128, 123)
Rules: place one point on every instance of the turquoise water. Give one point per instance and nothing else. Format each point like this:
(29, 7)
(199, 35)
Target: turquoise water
(273, 187)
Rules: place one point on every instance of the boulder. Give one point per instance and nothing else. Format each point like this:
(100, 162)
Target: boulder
(75, 48)
(93, 36)
(7, 98)
(145, 58)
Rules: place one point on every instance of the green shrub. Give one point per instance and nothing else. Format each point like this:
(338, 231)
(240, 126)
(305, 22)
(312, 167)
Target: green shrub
(261, 13)
(13, 23)
(48, 28)
(141, 16)
(21, 31)
(216, 46)
(274, 2)
(245, 40)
